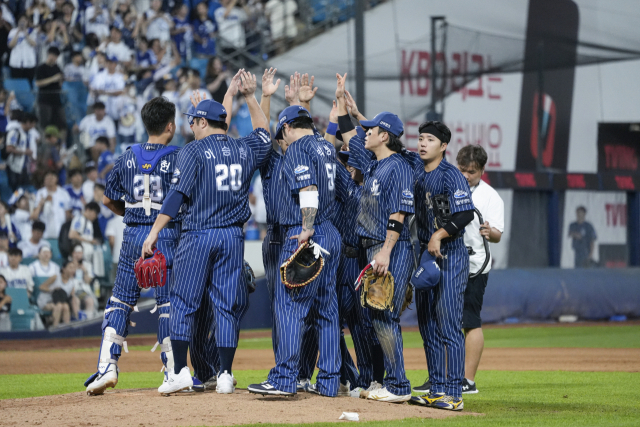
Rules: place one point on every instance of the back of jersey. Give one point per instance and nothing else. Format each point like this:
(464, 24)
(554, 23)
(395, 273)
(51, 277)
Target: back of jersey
(127, 180)
(309, 161)
(215, 173)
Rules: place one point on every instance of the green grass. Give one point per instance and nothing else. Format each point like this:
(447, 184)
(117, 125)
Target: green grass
(562, 399)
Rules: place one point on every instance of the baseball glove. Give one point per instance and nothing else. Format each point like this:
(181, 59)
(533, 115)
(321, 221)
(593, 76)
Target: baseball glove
(408, 298)
(249, 277)
(151, 272)
(303, 266)
(377, 291)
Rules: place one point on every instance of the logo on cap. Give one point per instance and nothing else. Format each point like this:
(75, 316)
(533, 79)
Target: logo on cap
(385, 124)
(202, 113)
(283, 119)
(146, 166)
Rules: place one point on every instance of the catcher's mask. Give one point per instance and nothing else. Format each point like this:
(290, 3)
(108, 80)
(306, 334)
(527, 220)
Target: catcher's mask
(302, 267)
(151, 272)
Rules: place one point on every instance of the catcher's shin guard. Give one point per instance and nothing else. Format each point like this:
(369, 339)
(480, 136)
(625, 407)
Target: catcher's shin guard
(164, 339)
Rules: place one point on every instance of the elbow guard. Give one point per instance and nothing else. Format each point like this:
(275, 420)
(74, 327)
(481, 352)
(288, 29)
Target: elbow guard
(459, 221)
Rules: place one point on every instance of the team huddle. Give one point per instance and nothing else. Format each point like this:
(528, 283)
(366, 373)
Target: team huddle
(338, 248)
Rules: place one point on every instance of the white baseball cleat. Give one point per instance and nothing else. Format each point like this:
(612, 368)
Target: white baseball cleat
(225, 383)
(176, 382)
(101, 382)
(384, 395)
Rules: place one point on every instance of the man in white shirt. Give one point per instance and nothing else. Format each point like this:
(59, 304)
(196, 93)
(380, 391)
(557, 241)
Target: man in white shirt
(91, 172)
(31, 248)
(230, 20)
(53, 206)
(97, 124)
(471, 162)
(96, 19)
(115, 47)
(115, 233)
(158, 23)
(22, 41)
(22, 149)
(107, 85)
(82, 229)
(17, 275)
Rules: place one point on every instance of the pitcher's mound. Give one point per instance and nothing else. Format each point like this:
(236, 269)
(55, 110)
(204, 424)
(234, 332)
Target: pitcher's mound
(145, 407)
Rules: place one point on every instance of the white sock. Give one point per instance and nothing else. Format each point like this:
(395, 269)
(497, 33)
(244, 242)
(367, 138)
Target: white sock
(470, 382)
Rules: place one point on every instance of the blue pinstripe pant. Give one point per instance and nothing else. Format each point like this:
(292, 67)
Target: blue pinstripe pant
(292, 308)
(209, 261)
(439, 313)
(387, 323)
(126, 287)
(271, 248)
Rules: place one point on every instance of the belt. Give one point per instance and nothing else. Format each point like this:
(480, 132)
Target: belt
(170, 225)
(156, 206)
(276, 235)
(350, 251)
(367, 243)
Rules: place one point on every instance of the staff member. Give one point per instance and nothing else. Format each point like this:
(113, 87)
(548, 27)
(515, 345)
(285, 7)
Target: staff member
(471, 162)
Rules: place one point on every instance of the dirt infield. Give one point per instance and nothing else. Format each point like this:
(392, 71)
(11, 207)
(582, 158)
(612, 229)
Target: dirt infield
(508, 359)
(147, 408)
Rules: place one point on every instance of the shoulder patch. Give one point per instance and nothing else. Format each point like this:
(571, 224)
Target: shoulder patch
(459, 194)
(300, 169)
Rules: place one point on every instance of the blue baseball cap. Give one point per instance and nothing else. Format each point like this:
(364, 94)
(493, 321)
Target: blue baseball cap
(208, 109)
(386, 121)
(112, 58)
(288, 115)
(427, 275)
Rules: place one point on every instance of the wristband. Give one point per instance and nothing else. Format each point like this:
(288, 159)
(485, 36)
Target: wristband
(346, 125)
(332, 128)
(394, 225)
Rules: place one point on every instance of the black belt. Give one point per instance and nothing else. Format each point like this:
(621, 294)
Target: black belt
(367, 243)
(276, 234)
(170, 225)
(350, 251)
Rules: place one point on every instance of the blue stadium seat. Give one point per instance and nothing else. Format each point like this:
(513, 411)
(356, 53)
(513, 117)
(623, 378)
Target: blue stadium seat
(5, 190)
(199, 64)
(22, 314)
(28, 261)
(37, 282)
(55, 249)
(24, 93)
(75, 100)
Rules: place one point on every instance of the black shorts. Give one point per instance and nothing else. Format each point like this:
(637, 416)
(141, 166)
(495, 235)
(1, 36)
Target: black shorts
(473, 296)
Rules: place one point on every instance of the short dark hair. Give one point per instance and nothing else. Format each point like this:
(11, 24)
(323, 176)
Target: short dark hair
(15, 252)
(74, 172)
(102, 187)
(38, 225)
(99, 106)
(30, 117)
(51, 172)
(157, 113)
(53, 51)
(89, 169)
(581, 208)
(470, 154)
(300, 123)
(394, 143)
(215, 124)
(75, 52)
(102, 140)
(194, 72)
(92, 206)
(65, 263)
(440, 127)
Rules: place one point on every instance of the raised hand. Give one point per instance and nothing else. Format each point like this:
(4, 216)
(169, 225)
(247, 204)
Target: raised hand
(291, 90)
(333, 115)
(341, 80)
(268, 87)
(234, 85)
(248, 84)
(196, 97)
(351, 105)
(307, 91)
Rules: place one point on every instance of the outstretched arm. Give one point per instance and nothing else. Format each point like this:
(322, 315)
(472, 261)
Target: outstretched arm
(291, 90)
(346, 127)
(232, 91)
(306, 91)
(248, 86)
(268, 89)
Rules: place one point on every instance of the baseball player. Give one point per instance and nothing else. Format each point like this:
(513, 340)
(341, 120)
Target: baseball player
(306, 210)
(387, 201)
(211, 178)
(443, 209)
(137, 188)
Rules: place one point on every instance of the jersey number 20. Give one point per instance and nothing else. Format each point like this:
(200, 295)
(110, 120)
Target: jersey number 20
(233, 172)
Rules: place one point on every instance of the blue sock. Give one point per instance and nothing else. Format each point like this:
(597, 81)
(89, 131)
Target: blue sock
(226, 358)
(179, 354)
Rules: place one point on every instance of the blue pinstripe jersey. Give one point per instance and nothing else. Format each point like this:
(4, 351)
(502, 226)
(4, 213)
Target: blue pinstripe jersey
(271, 174)
(445, 179)
(348, 196)
(214, 173)
(310, 160)
(126, 182)
(388, 188)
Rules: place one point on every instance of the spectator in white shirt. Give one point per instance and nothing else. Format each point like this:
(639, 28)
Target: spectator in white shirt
(4, 250)
(30, 248)
(61, 291)
(230, 20)
(88, 186)
(115, 233)
(74, 188)
(158, 24)
(82, 229)
(95, 125)
(53, 206)
(42, 268)
(22, 150)
(7, 225)
(115, 47)
(75, 71)
(21, 217)
(22, 41)
(96, 19)
(107, 85)
(281, 19)
(17, 275)
(84, 276)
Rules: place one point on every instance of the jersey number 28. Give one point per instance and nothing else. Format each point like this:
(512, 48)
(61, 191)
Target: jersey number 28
(233, 172)
(155, 188)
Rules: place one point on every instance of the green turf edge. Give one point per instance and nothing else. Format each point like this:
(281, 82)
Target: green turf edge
(506, 398)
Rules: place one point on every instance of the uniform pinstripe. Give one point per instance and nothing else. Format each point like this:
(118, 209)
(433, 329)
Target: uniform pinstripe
(308, 161)
(440, 309)
(126, 183)
(388, 185)
(214, 174)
